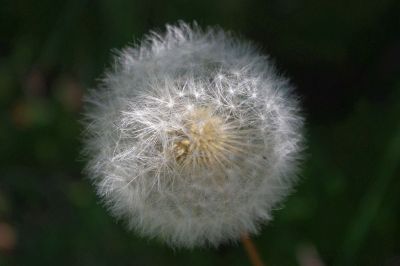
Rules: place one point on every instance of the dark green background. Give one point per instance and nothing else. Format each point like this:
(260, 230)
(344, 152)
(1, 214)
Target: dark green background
(342, 55)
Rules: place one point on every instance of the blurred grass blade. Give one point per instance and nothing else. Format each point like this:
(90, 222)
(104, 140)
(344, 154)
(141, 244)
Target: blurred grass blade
(369, 206)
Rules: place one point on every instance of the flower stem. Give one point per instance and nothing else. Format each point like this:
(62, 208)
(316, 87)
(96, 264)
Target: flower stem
(251, 251)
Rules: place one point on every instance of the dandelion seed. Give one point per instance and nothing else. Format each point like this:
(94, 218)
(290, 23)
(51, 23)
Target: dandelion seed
(193, 137)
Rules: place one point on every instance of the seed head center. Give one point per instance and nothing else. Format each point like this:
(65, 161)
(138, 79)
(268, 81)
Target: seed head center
(203, 141)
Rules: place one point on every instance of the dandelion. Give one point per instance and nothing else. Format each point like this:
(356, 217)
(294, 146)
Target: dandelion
(193, 137)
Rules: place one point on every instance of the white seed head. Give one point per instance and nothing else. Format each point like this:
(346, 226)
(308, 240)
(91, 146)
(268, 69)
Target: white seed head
(193, 137)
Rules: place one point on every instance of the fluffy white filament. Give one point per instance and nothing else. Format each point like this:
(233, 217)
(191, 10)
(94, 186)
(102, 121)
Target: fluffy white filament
(193, 137)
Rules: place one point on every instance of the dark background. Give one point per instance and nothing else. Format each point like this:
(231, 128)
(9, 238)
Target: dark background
(342, 55)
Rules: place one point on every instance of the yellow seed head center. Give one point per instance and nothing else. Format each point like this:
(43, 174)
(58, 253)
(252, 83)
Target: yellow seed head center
(204, 141)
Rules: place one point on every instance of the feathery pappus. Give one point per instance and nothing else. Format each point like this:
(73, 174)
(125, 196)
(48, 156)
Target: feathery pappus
(193, 137)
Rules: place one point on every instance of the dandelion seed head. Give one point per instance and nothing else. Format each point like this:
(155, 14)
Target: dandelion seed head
(193, 137)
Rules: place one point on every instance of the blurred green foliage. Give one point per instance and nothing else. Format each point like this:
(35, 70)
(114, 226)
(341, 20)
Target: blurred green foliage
(342, 55)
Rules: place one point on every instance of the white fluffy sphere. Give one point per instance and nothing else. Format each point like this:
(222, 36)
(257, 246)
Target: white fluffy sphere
(193, 137)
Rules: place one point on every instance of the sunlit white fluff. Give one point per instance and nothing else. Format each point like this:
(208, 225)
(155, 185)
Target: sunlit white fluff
(193, 138)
